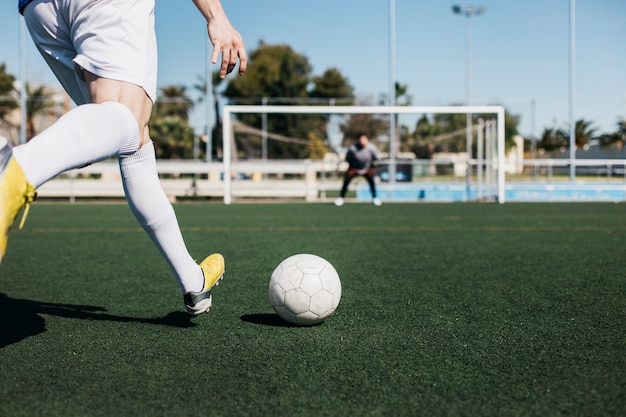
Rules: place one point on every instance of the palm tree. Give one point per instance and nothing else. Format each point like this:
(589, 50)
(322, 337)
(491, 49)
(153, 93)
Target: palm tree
(173, 138)
(169, 127)
(173, 102)
(615, 139)
(38, 103)
(7, 100)
(584, 132)
(552, 139)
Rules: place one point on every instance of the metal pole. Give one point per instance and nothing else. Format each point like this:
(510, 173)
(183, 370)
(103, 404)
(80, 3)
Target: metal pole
(500, 150)
(533, 138)
(468, 97)
(226, 132)
(264, 102)
(572, 85)
(468, 12)
(490, 137)
(479, 158)
(209, 104)
(23, 93)
(392, 90)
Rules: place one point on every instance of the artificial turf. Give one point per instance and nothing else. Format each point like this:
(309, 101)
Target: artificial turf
(447, 310)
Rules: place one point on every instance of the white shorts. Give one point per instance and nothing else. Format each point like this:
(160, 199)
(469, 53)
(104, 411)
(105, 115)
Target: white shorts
(112, 39)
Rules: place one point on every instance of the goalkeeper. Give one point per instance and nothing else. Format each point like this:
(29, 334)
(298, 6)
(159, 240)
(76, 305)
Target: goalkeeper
(361, 158)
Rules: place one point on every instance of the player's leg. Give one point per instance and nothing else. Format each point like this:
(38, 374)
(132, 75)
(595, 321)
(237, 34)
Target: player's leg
(369, 176)
(142, 187)
(128, 99)
(136, 62)
(156, 215)
(150, 205)
(87, 133)
(349, 175)
(84, 135)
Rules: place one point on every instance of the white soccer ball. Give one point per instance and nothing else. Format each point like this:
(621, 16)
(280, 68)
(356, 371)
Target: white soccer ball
(304, 289)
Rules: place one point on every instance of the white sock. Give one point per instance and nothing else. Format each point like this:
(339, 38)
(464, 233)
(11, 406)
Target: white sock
(84, 135)
(156, 215)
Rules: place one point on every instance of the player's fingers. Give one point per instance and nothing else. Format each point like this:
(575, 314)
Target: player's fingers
(243, 61)
(215, 55)
(226, 66)
(233, 59)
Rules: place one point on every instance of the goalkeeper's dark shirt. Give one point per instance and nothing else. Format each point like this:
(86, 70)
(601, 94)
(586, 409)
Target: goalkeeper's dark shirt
(361, 157)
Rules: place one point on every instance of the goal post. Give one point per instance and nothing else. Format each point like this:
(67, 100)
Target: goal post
(230, 112)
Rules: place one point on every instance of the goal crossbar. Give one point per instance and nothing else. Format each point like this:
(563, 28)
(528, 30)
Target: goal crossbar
(229, 110)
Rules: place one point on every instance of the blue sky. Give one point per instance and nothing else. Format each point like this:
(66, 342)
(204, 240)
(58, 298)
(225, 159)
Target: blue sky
(519, 53)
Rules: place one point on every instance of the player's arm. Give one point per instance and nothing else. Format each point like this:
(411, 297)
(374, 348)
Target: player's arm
(225, 39)
(350, 157)
(375, 156)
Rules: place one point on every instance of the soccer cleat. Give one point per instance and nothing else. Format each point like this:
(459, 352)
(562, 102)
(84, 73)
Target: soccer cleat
(213, 271)
(15, 192)
(339, 202)
(377, 202)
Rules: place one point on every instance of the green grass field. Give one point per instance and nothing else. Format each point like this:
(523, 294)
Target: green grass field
(447, 310)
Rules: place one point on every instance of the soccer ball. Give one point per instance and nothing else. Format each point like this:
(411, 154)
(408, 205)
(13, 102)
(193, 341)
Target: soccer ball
(304, 289)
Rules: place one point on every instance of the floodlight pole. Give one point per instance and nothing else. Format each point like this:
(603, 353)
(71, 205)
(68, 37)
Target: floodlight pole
(572, 89)
(23, 92)
(468, 12)
(209, 103)
(392, 90)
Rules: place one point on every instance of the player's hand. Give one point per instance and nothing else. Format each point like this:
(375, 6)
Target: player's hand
(228, 42)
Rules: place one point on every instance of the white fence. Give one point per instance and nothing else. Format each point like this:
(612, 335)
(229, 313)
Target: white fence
(315, 180)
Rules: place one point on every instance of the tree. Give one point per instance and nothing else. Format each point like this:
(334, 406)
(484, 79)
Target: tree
(170, 131)
(332, 84)
(451, 132)
(553, 139)
(172, 137)
(403, 98)
(317, 147)
(420, 142)
(39, 102)
(446, 132)
(274, 71)
(173, 102)
(280, 75)
(584, 132)
(7, 102)
(615, 139)
(371, 125)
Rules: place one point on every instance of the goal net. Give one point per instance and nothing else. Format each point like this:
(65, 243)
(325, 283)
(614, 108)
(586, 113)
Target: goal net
(428, 153)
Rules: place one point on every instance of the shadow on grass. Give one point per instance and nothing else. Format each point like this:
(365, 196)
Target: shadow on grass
(20, 319)
(266, 320)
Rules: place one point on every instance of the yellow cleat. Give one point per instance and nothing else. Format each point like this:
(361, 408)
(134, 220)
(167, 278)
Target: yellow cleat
(213, 270)
(15, 192)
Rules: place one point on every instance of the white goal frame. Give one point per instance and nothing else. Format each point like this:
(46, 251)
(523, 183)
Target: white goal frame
(230, 110)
